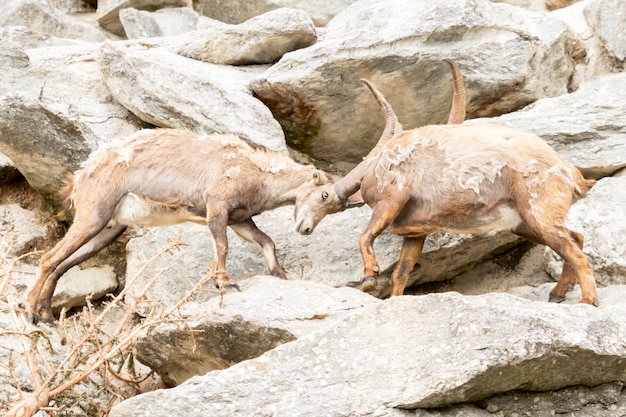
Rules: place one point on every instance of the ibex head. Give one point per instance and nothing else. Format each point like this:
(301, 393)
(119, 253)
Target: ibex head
(313, 204)
(326, 199)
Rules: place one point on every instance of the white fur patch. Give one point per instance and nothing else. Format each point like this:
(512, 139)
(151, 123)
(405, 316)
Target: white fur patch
(559, 174)
(133, 209)
(232, 172)
(503, 218)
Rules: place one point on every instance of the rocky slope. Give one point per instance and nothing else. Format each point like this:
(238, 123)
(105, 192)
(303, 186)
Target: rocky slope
(285, 75)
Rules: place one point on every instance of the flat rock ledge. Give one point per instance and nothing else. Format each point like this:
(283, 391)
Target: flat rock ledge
(413, 352)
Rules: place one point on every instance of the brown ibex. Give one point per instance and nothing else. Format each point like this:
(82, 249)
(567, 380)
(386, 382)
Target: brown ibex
(461, 179)
(164, 176)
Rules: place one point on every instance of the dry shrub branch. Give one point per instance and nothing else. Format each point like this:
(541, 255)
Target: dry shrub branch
(93, 351)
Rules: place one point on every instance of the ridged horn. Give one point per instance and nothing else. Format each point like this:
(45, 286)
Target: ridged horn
(457, 112)
(351, 183)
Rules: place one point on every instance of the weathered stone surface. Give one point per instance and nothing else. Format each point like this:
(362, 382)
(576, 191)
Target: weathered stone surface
(164, 22)
(534, 5)
(23, 225)
(67, 110)
(582, 21)
(600, 401)
(316, 95)
(539, 5)
(109, 11)
(600, 217)
(608, 18)
(77, 283)
(238, 11)
(587, 127)
(39, 16)
(261, 40)
(243, 325)
(55, 110)
(169, 90)
(469, 348)
(73, 6)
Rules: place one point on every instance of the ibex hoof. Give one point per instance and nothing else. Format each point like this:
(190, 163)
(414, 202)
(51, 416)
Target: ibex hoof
(232, 287)
(556, 298)
(46, 316)
(368, 284)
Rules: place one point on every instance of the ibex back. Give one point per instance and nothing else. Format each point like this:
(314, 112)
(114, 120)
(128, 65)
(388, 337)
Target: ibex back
(165, 176)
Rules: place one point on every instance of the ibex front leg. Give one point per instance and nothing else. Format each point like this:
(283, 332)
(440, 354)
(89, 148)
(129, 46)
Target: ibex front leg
(384, 213)
(217, 225)
(250, 232)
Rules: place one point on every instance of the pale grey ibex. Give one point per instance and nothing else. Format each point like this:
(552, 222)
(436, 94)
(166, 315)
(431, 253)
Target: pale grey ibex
(165, 176)
(461, 179)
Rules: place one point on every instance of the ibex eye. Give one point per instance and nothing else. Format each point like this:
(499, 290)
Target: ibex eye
(324, 195)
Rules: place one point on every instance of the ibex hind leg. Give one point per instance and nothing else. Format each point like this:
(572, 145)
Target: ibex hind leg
(80, 243)
(568, 276)
(409, 255)
(568, 245)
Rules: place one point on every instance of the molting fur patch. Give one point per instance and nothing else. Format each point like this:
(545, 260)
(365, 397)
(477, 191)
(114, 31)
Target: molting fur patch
(389, 159)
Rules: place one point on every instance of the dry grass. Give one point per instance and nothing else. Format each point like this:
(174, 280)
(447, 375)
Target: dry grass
(94, 368)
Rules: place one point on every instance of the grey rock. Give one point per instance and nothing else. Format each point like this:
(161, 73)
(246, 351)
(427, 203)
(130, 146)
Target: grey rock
(163, 22)
(55, 111)
(427, 351)
(608, 17)
(24, 226)
(77, 284)
(330, 256)
(238, 11)
(39, 16)
(108, 12)
(261, 40)
(168, 90)
(243, 325)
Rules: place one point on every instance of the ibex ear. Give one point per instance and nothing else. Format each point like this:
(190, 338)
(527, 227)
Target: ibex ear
(355, 200)
(317, 177)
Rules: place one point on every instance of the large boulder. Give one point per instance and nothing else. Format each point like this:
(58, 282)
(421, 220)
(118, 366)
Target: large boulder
(238, 11)
(163, 22)
(42, 18)
(468, 348)
(168, 90)
(108, 12)
(267, 313)
(316, 95)
(261, 40)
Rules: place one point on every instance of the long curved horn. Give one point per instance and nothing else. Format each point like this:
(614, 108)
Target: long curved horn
(350, 184)
(457, 112)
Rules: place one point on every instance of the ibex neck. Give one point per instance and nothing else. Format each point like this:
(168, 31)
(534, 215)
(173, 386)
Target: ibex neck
(283, 186)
